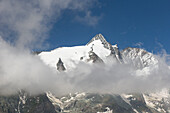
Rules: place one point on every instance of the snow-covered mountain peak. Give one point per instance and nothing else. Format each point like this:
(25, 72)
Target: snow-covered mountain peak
(139, 57)
(71, 56)
(101, 38)
(101, 49)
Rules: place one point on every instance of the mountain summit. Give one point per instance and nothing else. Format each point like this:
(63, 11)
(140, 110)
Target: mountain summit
(102, 39)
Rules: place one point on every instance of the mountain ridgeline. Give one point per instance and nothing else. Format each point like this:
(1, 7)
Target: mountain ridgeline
(96, 51)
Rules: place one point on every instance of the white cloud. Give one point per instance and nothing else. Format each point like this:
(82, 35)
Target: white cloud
(21, 70)
(89, 19)
(139, 44)
(27, 22)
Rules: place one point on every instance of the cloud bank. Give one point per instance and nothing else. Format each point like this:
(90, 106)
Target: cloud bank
(118, 78)
(21, 70)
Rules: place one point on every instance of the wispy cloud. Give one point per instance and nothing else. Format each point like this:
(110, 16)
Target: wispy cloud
(27, 22)
(89, 19)
(139, 44)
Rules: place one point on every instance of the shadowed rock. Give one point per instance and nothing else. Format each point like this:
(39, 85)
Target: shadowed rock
(115, 53)
(94, 58)
(60, 65)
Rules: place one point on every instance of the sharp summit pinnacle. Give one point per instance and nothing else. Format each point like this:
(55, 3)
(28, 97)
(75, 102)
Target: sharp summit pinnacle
(102, 39)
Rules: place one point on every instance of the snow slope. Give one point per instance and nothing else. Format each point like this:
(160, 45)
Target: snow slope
(73, 55)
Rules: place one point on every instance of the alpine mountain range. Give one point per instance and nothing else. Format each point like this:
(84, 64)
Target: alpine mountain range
(96, 52)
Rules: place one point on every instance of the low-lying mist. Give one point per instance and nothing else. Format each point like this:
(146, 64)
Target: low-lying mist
(19, 69)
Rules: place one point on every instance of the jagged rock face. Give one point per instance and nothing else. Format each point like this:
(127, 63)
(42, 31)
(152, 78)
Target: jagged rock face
(60, 65)
(23, 103)
(114, 50)
(86, 103)
(139, 57)
(102, 39)
(94, 58)
(110, 103)
(116, 54)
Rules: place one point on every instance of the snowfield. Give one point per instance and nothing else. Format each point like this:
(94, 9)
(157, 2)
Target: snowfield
(73, 55)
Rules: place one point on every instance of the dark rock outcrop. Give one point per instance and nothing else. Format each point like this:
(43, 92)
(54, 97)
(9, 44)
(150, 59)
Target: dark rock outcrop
(115, 53)
(94, 58)
(60, 65)
(36, 52)
(23, 103)
(100, 37)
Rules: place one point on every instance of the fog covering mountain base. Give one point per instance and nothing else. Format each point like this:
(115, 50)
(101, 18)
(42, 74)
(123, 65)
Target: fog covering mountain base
(112, 76)
(19, 69)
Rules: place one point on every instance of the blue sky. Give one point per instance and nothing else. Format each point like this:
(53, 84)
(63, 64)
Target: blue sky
(125, 22)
